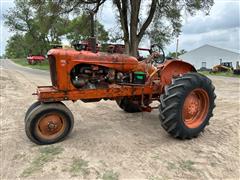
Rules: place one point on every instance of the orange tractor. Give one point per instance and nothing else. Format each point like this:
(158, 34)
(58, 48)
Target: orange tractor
(186, 97)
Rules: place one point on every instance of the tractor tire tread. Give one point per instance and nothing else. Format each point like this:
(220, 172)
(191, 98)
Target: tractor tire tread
(171, 100)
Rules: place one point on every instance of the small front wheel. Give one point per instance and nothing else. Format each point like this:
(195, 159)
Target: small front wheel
(48, 123)
(187, 105)
(34, 105)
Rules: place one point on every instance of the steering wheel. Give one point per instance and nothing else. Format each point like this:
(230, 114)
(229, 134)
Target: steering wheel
(157, 48)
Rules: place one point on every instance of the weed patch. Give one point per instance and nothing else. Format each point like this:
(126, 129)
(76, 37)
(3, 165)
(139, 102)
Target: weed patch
(46, 154)
(171, 166)
(226, 74)
(110, 175)
(187, 165)
(79, 167)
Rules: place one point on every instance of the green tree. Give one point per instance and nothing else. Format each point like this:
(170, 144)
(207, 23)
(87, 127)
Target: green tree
(174, 55)
(80, 27)
(162, 21)
(15, 47)
(159, 19)
(40, 25)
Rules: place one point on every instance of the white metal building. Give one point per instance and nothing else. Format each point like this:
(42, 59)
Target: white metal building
(208, 56)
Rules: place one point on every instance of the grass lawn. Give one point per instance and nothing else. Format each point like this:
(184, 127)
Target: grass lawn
(23, 61)
(226, 74)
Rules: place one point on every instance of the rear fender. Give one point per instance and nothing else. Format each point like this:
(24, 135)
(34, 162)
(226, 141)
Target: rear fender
(174, 68)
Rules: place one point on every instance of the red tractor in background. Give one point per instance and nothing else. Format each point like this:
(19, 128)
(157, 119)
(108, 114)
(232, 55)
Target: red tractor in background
(34, 59)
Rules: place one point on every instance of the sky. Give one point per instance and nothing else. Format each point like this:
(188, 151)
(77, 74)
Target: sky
(221, 28)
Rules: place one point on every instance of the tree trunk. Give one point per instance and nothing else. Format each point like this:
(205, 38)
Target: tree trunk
(134, 41)
(136, 33)
(127, 47)
(123, 12)
(131, 32)
(134, 46)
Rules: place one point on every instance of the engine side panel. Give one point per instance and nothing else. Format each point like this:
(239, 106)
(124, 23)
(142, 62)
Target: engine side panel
(118, 62)
(67, 59)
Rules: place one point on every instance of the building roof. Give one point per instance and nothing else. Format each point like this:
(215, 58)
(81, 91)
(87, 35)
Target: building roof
(210, 51)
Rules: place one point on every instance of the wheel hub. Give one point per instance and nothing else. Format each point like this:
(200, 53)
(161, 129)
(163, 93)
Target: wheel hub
(195, 108)
(191, 106)
(50, 125)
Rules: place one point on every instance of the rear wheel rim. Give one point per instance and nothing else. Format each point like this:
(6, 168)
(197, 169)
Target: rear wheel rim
(195, 108)
(51, 126)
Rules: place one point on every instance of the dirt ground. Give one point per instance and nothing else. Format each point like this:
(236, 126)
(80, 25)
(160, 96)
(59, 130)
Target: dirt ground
(107, 143)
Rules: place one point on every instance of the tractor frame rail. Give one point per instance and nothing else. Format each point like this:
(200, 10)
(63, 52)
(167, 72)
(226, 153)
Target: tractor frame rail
(51, 94)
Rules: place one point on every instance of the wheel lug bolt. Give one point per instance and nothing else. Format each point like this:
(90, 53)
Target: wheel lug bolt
(51, 126)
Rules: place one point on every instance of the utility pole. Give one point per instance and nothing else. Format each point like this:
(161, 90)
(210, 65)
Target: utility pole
(93, 38)
(92, 23)
(177, 48)
(96, 26)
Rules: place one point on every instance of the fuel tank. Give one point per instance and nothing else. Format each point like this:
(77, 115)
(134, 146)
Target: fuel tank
(119, 62)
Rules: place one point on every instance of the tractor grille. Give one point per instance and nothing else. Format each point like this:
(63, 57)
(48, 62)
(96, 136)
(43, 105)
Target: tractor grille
(53, 71)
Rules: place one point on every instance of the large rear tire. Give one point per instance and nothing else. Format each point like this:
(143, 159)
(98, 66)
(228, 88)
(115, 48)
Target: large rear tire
(187, 105)
(48, 123)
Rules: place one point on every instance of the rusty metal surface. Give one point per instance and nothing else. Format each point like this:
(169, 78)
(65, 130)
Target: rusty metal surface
(49, 93)
(119, 62)
(173, 68)
(66, 59)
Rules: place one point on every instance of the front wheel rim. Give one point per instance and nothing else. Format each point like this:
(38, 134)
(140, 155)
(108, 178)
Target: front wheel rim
(195, 108)
(50, 126)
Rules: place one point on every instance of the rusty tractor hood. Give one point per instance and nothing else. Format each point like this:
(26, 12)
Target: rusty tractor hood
(120, 62)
